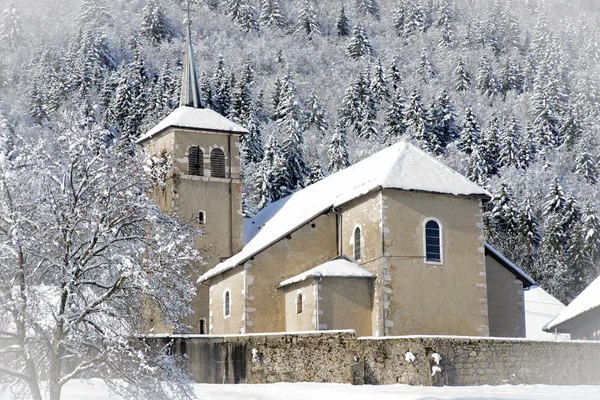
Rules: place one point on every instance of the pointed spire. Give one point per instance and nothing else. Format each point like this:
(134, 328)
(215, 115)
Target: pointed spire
(190, 90)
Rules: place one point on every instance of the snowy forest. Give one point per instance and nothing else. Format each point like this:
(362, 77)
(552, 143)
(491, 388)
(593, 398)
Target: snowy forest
(505, 92)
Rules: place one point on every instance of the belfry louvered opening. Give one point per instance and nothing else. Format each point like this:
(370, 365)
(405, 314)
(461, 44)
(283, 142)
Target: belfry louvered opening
(195, 161)
(217, 163)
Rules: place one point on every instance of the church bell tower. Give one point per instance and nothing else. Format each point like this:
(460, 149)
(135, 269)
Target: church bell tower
(203, 186)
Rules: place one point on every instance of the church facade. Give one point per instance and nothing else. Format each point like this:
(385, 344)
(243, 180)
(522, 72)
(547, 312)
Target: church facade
(393, 245)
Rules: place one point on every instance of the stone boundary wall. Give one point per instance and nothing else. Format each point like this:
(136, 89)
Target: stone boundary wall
(342, 358)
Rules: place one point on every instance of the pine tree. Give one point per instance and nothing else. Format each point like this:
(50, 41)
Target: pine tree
(477, 168)
(343, 24)
(510, 147)
(586, 167)
(315, 114)
(504, 216)
(462, 80)
(414, 19)
(448, 125)
(337, 151)
(425, 69)
(471, 133)
(358, 111)
(394, 76)
(270, 14)
(359, 45)
(399, 17)
(487, 83)
(445, 23)
(11, 28)
(222, 88)
(394, 125)
(365, 7)
(247, 18)
(379, 84)
(156, 24)
(315, 174)
(415, 118)
(555, 200)
(207, 91)
(490, 147)
(289, 111)
(307, 20)
(570, 130)
(272, 181)
(93, 13)
(276, 98)
(528, 227)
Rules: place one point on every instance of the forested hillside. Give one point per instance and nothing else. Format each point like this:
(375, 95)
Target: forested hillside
(506, 92)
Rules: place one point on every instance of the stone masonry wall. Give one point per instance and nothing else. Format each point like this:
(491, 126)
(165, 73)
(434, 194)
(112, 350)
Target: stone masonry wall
(342, 358)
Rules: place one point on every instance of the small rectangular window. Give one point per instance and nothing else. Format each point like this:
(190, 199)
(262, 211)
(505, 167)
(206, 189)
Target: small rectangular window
(201, 217)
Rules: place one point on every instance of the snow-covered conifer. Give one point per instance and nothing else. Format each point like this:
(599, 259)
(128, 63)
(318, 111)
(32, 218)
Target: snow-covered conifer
(555, 199)
(365, 7)
(415, 118)
(222, 88)
(487, 83)
(156, 24)
(270, 14)
(586, 167)
(394, 125)
(394, 75)
(425, 69)
(470, 135)
(462, 78)
(337, 151)
(343, 23)
(315, 173)
(315, 114)
(307, 23)
(93, 13)
(379, 84)
(510, 145)
(359, 45)
(11, 28)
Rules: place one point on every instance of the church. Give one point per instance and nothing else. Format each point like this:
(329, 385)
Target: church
(392, 245)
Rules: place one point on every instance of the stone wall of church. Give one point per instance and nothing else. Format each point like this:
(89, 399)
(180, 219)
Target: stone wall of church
(506, 304)
(340, 357)
(442, 298)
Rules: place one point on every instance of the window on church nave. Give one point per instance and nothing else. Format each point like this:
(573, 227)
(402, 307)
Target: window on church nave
(217, 163)
(195, 161)
(226, 303)
(299, 304)
(433, 242)
(357, 249)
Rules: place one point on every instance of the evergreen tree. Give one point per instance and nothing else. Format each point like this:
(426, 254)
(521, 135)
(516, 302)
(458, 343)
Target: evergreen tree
(207, 91)
(415, 119)
(399, 17)
(307, 20)
(462, 80)
(394, 76)
(477, 167)
(315, 114)
(555, 200)
(276, 98)
(414, 19)
(487, 83)
(471, 133)
(379, 84)
(343, 24)
(490, 146)
(272, 181)
(337, 152)
(222, 88)
(504, 216)
(315, 174)
(11, 28)
(93, 13)
(289, 111)
(365, 7)
(446, 123)
(425, 69)
(510, 149)
(156, 24)
(570, 130)
(445, 23)
(270, 14)
(359, 45)
(394, 125)
(528, 228)
(586, 167)
(247, 18)
(358, 110)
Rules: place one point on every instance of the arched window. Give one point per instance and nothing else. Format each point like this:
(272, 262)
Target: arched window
(217, 163)
(299, 304)
(433, 241)
(195, 161)
(226, 303)
(357, 249)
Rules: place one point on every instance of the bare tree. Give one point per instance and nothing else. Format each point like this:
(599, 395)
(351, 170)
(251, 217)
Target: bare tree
(85, 256)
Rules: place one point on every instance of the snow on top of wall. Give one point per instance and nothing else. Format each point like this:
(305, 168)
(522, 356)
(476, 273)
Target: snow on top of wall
(401, 166)
(338, 268)
(195, 118)
(540, 308)
(586, 301)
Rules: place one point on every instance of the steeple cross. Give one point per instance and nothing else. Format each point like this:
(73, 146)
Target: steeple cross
(188, 10)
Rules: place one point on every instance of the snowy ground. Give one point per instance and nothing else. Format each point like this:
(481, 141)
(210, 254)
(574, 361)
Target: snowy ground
(314, 391)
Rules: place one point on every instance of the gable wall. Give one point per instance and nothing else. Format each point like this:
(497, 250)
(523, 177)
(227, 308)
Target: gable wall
(506, 305)
(305, 321)
(447, 299)
(307, 248)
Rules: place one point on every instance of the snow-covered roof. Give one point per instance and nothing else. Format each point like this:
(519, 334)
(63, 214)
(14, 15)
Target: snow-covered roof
(540, 308)
(587, 300)
(519, 273)
(340, 267)
(195, 118)
(401, 166)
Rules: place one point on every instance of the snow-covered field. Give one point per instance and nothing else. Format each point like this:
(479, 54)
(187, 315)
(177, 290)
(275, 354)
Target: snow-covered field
(95, 390)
